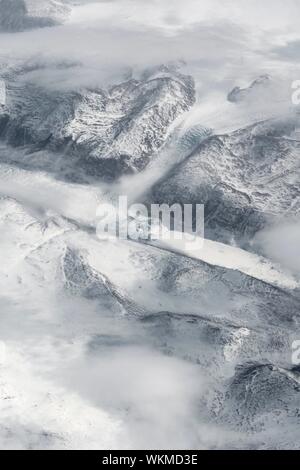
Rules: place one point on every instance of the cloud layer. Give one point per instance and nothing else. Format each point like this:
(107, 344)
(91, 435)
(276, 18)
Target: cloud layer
(218, 40)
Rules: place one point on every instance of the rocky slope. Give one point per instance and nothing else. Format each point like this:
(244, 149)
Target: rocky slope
(108, 132)
(211, 317)
(147, 344)
(245, 179)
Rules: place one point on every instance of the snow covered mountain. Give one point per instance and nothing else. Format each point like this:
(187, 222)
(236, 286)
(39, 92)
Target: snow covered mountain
(230, 314)
(212, 316)
(119, 343)
(107, 132)
(260, 85)
(246, 179)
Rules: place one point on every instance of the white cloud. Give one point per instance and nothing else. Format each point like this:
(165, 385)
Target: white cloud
(219, 39)
(281, 244)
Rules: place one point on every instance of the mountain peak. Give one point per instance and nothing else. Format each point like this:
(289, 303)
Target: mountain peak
(240, 94)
